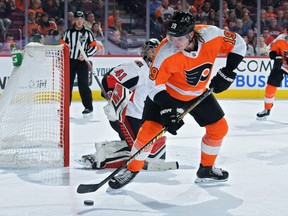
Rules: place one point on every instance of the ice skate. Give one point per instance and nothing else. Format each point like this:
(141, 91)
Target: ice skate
(211, 174)
(87, 113)
(263, 115)
(122, 179)
(87, 161)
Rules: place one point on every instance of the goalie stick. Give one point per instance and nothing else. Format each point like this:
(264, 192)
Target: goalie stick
(88, 188)
(128, 137)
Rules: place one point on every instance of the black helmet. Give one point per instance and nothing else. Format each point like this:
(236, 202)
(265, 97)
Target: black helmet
(182, 23)
(78, 14)
(152, 43)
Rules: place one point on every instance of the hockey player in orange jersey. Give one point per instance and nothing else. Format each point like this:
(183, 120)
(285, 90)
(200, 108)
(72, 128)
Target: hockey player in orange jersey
(278, 51)
(179, 74)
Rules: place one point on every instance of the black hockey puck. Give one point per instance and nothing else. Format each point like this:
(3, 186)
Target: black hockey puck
(88, 202)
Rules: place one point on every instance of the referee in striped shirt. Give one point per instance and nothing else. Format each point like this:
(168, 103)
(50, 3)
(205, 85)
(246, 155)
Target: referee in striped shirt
(78, 34)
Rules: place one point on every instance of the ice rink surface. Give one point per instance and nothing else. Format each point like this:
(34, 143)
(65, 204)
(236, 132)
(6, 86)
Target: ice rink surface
(254, 152)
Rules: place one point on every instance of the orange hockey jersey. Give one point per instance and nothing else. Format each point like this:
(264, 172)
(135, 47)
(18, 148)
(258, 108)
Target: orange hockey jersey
(184, 75)
(280, 46)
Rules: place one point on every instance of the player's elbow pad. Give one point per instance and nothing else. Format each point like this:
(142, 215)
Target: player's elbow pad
(272, 55)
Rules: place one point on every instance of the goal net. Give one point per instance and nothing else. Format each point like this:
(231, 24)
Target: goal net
(34, 109)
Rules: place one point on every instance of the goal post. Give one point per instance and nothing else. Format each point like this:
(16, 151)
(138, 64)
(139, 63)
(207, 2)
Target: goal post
(34, 109)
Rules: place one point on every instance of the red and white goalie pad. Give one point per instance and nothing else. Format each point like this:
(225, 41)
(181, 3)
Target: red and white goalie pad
(112, 154)
(115, 109)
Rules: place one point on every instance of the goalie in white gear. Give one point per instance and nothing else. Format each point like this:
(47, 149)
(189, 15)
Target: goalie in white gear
(126, 86)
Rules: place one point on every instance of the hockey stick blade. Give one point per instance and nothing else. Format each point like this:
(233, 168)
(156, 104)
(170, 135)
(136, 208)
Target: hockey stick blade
(88, 188)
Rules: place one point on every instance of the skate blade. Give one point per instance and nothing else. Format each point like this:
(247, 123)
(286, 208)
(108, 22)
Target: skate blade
(208, 181)
(90, 115)
(262, 118)
(112, 191)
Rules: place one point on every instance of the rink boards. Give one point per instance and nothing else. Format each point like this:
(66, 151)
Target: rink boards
(252, 74)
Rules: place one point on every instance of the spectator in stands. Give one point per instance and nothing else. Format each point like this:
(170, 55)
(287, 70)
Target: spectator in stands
(117, 26)
(263, 20)
(182, 7)
(267, 37)
(153, 5)
(97, 31)
(70, 19)
(206, 8)
(238, 28)
(274, 30)
(247, 23)
(46, 26)
(270, 12)
(52, 9)
(20, 5)
(5, 22)
(61, 26)
(198, 4)
(212, 19)
(90, 19)
(263, 47)
(232, 5)
(116, 14)
(163, 15)
(251, 38)
(37, 8)
(238, 9)
(32, 25)
(231, 20)
(250, 50)
(280, 20)
(195, 14)
(225, 10)
(11, 6)
(116, 39)
(5, 48)
(99, 12)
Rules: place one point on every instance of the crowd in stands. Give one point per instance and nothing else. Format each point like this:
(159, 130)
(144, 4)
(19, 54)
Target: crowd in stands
(46, 19)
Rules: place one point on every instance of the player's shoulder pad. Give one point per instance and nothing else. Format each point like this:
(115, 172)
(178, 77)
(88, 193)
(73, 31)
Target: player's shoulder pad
(282, 37)
(164, 51)
(209, 32)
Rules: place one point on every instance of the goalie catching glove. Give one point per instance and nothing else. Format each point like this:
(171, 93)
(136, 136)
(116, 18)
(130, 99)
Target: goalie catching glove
(222, 80)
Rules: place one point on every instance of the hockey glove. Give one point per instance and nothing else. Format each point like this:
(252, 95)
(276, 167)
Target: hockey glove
(222, 80)
(170, 119)
(277, 62)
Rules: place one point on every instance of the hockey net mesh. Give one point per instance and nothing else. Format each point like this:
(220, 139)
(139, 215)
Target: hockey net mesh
(32, 109)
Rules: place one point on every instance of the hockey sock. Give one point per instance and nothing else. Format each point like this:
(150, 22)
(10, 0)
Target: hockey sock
(212, 141)
(147, 132)
(270, 92)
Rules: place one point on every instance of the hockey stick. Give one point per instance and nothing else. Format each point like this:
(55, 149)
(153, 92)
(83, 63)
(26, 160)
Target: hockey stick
(88, 188)
(106, 96)
(128, 137)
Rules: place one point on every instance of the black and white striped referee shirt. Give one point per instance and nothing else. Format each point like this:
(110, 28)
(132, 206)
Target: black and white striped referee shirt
(83, 36)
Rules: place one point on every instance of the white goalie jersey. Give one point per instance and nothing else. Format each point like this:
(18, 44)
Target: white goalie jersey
(134, 76)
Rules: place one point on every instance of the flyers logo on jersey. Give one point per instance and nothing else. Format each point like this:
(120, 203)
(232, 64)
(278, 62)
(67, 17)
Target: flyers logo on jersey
(153, 73)
(198, 74)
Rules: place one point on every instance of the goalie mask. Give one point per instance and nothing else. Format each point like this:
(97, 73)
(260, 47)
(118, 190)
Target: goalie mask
(182, 23)
(148, 50)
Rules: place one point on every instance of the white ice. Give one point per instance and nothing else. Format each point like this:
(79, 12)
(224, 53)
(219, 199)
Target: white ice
(254, 152)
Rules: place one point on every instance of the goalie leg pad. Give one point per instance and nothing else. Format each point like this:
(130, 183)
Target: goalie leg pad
(111, 154)
(158, 152)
